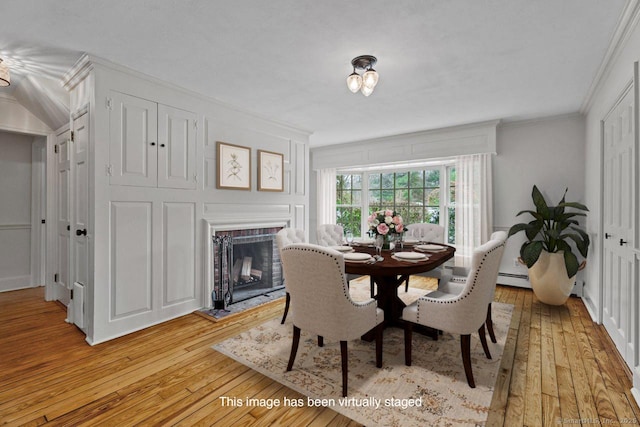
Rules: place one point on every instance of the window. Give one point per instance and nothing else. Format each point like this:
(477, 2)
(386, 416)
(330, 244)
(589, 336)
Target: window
(349, 202)
(419, 195)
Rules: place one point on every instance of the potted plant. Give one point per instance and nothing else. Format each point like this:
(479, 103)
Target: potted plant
(547, 253)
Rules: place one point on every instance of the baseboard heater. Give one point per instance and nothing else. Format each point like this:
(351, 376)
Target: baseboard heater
(510, 279)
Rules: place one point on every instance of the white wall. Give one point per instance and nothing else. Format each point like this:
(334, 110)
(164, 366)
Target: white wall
(548, 153)
(15, 211)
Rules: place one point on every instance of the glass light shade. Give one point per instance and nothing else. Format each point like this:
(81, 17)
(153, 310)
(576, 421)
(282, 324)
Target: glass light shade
(366, 90)
(5, 80)
(354, 82)
(370, 78)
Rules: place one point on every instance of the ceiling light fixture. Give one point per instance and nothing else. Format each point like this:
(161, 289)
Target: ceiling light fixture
(368, 80)
(5, 80)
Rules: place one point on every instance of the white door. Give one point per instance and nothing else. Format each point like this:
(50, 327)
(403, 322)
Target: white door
(80, 214)
(133, 144)
(176, 148)
(63, 220)
(619, 309)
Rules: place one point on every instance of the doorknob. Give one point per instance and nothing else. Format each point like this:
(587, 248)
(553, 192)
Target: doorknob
(82, 232)
(607, 235)
(623, 242)
(153, 143)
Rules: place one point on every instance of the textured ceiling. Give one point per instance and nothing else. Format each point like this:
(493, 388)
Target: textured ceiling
(441, 63)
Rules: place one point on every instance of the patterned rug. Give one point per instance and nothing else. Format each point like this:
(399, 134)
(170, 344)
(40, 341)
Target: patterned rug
(432, 392)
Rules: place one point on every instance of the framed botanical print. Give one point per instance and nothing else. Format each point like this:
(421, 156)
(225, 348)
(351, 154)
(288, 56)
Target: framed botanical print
(270, 171)
(234, 167)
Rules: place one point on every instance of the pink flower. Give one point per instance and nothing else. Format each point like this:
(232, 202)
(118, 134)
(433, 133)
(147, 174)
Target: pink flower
(388, 212)
(397, 220)
(383, 228)
(399, 228)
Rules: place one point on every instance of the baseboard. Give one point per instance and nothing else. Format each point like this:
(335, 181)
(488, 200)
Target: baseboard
(15, 283)
(636, 395)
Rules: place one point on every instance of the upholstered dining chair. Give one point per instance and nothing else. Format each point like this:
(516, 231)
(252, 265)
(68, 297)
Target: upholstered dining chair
(321, 304)
(285, 237)
(463, 313)
(453, 284)
(426, 232)
(332, 235)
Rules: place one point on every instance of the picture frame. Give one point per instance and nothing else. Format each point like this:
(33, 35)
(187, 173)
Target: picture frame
(270, 171)
(234, 167)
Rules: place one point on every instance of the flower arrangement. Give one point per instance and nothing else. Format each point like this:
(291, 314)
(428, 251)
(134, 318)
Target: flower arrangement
(385, 222)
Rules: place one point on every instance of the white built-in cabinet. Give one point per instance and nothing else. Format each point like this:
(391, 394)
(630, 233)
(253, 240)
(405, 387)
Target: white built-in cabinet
(151, 144)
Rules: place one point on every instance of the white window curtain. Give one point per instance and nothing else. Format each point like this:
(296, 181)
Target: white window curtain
(474, 205)
(326, 196)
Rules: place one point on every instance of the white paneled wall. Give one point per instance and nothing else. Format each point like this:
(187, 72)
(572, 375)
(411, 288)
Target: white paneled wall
(153, 186)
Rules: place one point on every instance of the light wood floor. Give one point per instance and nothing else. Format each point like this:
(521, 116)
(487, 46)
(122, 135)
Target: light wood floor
(557, 366)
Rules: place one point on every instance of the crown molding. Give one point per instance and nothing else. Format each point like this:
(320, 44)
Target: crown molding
(87, 63)
(626, 24)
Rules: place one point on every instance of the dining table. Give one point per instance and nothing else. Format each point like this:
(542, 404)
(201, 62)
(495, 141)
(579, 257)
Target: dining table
(390, 272)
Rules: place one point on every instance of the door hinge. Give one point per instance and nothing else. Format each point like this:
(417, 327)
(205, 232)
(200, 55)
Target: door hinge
(55, 278)
(71, 296)
(55, 148)
(109, 103)
(73, 136)
(109, 170)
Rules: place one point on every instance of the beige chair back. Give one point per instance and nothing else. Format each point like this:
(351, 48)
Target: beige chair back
(330, 235)
(320, 301)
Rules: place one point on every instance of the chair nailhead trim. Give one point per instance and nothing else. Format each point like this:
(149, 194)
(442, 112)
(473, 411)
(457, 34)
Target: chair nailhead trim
(461, 297)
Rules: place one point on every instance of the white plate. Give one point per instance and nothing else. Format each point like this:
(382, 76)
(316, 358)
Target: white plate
(364, 241)
(342, 248)
(410, 240)
(431, 248)
(356, 257)
(410, 255)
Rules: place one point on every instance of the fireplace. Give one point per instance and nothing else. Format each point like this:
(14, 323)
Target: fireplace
(245, 263)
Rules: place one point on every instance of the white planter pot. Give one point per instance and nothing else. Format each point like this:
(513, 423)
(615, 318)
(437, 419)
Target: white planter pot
(548, 277)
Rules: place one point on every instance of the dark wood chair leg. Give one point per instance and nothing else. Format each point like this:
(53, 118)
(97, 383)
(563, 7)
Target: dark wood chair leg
(345, 366)
(465, 348)
(287, 302)
(379, 330)
(320, 341)
(406, 285)
(489, 323)
(408, 331)
(483, 340)
(294, 347)
(372, 289)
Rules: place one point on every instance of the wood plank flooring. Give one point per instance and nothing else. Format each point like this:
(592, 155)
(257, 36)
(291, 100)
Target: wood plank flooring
(558, 368)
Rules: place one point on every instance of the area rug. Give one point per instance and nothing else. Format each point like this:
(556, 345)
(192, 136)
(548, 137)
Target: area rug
(433, 391)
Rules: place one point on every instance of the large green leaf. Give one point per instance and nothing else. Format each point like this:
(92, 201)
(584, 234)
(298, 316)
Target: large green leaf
(533, 228)
(530, 252)
(571, 262)
(575, 205)
(539, 202)
(517, 228)
(533, 213)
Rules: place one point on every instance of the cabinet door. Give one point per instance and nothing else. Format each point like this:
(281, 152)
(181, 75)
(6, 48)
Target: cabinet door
(133, 141)
(177, 148)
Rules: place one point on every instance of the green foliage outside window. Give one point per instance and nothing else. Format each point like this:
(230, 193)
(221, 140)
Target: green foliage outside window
(415, 195)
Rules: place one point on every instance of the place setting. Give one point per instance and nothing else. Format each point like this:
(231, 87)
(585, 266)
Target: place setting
(413, 257)
(357, 257)
(429, 248)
